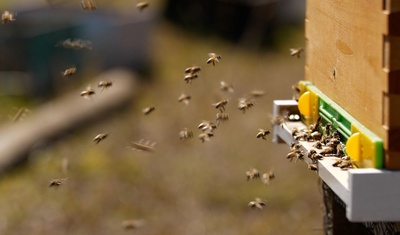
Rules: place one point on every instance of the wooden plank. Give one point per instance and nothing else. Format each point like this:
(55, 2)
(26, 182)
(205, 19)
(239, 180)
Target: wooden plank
(62, 115)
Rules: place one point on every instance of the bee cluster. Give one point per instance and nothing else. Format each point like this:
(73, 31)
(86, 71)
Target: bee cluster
(326, 142)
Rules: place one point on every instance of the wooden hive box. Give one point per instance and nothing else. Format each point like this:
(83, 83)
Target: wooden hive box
(353, 56)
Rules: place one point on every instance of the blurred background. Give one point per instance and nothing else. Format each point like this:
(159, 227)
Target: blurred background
(185, 186)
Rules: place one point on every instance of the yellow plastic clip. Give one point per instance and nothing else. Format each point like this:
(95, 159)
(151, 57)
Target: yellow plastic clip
(308, 106)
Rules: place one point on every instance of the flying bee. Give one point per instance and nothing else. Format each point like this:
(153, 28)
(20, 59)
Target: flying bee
(257, 203)
(193, 69)
(20, 114)
(88, 5)
(207, 126)
(313, 167)
(213, 58)
(252, 174)
(143, 146)
(221, 117)
(205, 136)
(142, 5)
(57, 182)
(267, 177)
(104, 84)
(257, 93)
(245, 104)
(221, 105)
(184, 98)
(189, 77)
(77, 44)
(185, 134)
(69, 72)
(88, 92)
(262, 133)
(148, 110)
(225, 87)
(100, 137)
(7, 17)
(296, 51)
(132, 224)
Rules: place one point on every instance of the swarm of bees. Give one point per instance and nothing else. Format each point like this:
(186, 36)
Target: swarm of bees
(7, 17)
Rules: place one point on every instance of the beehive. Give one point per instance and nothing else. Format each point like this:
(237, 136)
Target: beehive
(353, 57)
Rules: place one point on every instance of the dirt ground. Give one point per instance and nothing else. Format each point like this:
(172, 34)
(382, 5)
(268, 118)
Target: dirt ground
(185, 186)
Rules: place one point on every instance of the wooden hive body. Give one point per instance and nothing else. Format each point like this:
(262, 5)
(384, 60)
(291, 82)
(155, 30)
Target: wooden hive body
(353, 56)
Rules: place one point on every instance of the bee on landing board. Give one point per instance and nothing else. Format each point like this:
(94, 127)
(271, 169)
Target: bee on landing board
(104, 84)
(7, 17)
(213, 58)
(57, 182)
(257, 203)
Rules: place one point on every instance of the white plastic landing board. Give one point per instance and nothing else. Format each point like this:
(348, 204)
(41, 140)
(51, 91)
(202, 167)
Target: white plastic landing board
(370, 195)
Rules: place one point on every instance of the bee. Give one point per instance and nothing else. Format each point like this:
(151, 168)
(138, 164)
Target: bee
(184, 98)
(328, 150)
(69, 72)
(192, 70)
(88, 92)
(296, 92)
(20, 114)
(317, 145)
(257, 203)
(7, 17)
(296, 51)
(262, 133)
(316, 135)
(207, 126)
(143, 146)
(279, 120)
(142, 5)
(225, 87)
(132, 224)
(245, 104)
(252, 174)
(104, 84)
(267, 177)
(189, 77)
(257, 93)
(221, 105)
(313, 167)
(88, 5)
(100, 137)
(185, 134)
(327, 129)
(77, 44)
(205, 136)
(57, 182)
(213, 58)
(221, 117)
(298, 154)
(148, 110)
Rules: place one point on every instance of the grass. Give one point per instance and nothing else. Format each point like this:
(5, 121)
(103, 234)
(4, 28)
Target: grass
(185, 187)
